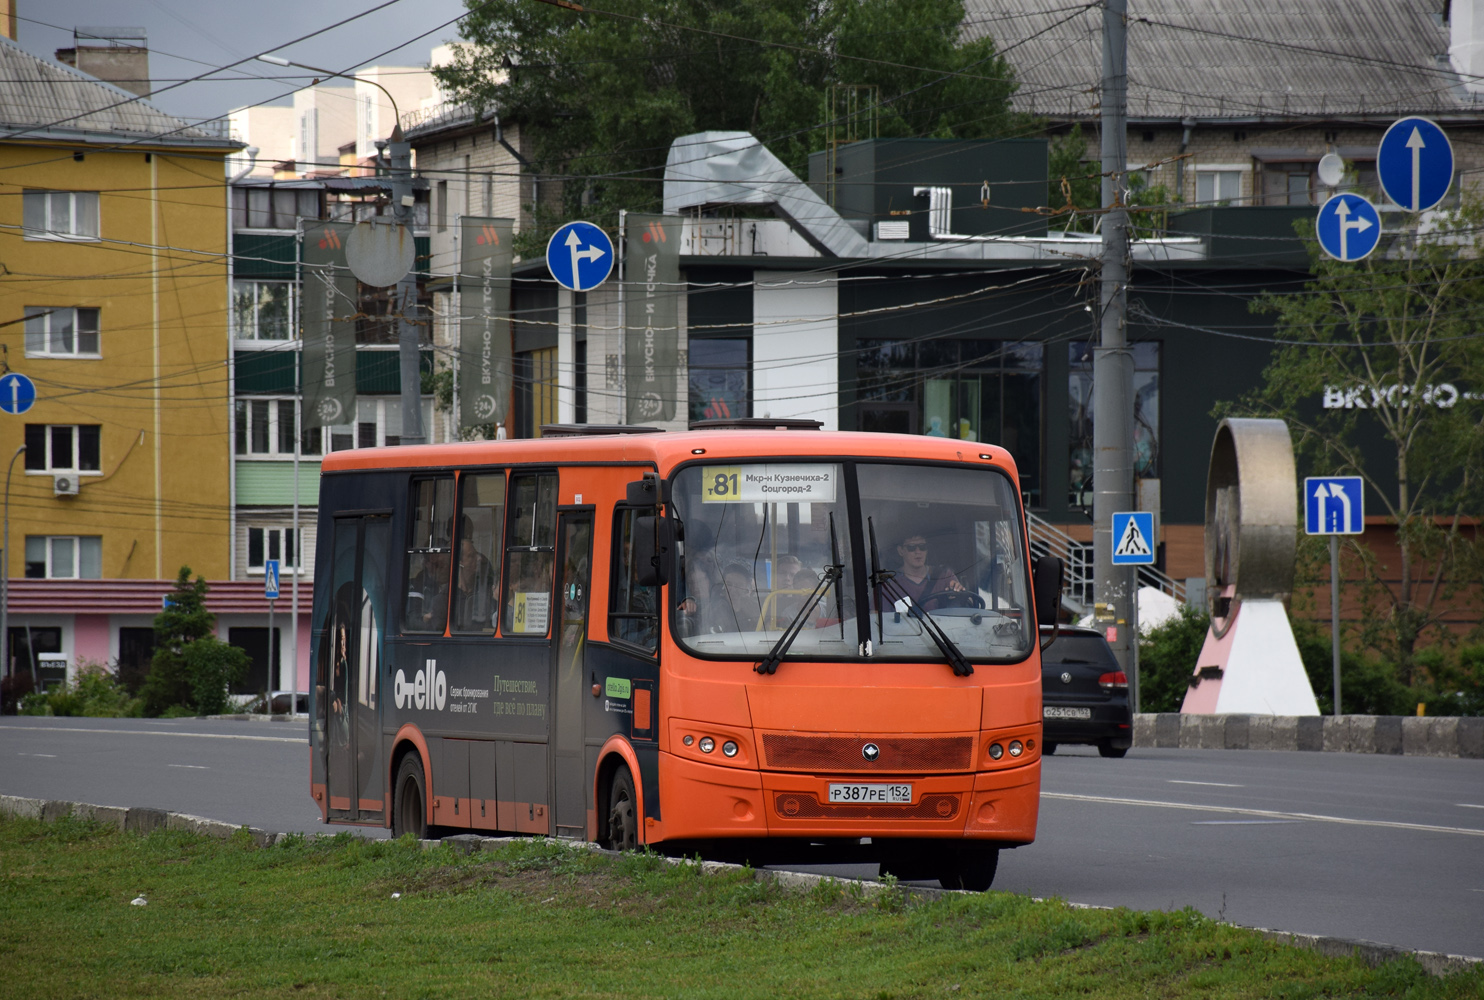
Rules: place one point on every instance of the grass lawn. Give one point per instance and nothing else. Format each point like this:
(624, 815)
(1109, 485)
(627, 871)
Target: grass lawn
(343, 917)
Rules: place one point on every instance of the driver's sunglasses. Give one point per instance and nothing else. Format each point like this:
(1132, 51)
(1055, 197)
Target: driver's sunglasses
(915, 547)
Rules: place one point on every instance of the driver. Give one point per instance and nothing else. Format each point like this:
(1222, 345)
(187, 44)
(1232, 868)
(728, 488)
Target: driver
(917, 578)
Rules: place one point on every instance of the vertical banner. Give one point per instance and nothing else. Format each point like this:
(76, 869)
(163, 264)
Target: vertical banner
(484, 320)
(651, 316)
(328, 308)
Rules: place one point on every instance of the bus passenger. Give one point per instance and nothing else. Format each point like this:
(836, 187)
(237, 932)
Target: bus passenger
(427, 595)
(474, 596)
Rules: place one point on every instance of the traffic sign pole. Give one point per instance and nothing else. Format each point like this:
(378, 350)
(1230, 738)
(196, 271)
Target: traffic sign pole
(1334, 611)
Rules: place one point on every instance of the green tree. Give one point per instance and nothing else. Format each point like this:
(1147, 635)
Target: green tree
(191, 667)
(603, 94)
(1374, 380)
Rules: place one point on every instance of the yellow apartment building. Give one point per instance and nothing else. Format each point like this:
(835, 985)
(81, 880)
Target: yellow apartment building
(114, 305)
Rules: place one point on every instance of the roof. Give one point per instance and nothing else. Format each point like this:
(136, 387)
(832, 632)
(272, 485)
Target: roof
(143, 597)
(1240, 60)
(667, 450)
(45, 100)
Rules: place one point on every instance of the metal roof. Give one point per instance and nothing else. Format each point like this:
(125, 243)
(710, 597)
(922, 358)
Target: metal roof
(1241, 60)
(45, 100)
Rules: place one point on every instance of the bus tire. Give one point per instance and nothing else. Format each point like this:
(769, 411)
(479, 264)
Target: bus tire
(973, 871)
(409, 799)
(623, 812)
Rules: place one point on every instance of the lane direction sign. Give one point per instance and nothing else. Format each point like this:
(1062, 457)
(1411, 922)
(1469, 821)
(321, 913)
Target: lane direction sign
(17, 393)
(1133, 538)
(1334, 505)
(1415, 163)
(580, 256)
(1348, 227)
(270, 579)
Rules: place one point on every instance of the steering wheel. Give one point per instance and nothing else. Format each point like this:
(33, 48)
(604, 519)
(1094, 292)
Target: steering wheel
(954, 599)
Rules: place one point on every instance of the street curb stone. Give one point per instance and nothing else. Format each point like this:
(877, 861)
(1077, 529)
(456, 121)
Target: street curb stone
(1412, 736)
(145, 820)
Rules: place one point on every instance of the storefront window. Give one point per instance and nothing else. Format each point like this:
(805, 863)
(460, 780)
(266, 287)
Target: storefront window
(719, 371)
(1079, 403)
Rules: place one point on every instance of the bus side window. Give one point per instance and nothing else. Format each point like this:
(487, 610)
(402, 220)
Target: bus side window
(633, 613)
(530, 553)
(428, 556)
(476, 590)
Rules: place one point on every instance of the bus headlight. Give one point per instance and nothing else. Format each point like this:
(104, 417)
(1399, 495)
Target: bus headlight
(707, 744)
(729, 748)
(1015, 748)
(996, 751)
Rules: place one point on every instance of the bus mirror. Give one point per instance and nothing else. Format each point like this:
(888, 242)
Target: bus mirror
(650, 491)
(654, 549)
(1048, 589)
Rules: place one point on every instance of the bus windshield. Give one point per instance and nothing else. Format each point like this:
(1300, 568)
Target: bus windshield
(758, 539)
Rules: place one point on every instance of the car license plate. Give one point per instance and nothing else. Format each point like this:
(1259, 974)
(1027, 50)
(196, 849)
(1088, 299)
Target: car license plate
(1051, 712)
(871, 793)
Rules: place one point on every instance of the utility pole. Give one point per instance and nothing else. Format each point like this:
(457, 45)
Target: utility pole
(409, 342)
(1114, 590)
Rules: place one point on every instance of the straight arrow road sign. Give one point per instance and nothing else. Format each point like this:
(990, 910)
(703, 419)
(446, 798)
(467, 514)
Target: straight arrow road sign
(1334, 505)
(1414, 162)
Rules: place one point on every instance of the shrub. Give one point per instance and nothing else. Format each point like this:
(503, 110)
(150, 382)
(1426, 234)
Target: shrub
(95, 692)
(1167, 656)
(191, 667)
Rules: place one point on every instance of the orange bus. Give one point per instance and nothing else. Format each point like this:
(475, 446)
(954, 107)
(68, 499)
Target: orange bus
(778, 644)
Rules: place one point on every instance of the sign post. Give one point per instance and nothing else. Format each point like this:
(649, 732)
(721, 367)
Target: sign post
(1334, 506)
(1133, 545)
(270, 591)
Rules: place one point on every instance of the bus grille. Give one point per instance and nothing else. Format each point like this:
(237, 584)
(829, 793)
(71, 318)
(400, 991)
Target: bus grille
(803, 805)
(792, 752)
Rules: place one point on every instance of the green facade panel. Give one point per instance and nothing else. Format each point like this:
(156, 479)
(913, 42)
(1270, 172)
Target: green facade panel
(272, 483)
(266, 373)
(264, 255)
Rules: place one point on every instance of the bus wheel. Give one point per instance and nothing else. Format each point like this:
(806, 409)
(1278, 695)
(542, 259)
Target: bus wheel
(623, 813)
(408, 815)
(971, 870)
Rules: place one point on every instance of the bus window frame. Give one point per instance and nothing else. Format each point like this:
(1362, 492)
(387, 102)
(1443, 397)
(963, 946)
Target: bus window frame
(410, 514)
(860, 545)
(506, 475)
(614, 580)
(536, 472)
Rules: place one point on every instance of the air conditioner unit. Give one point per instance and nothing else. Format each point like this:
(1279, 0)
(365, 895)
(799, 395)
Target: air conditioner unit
(64, 486)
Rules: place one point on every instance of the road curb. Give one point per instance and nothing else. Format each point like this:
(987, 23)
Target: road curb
(145, 820)
(1404, 735)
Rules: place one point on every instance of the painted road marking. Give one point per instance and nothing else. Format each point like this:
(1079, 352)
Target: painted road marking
(1212, 784)
(193, 767)
(154, 732)
(38, 755)
(1268, 813)
(1242, 822)
(1467, 805)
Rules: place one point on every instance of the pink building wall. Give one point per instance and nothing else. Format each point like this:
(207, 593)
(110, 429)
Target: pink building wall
(90, 634)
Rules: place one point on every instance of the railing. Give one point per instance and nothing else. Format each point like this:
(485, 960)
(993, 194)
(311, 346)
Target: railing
(1077, 584)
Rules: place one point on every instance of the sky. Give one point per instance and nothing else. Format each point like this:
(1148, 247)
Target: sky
(187, 39)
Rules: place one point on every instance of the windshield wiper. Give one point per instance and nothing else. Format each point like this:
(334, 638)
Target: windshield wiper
(882, 582)
(832, 575)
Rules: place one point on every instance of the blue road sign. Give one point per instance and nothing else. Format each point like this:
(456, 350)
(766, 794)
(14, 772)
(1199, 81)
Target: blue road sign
(1133, 538)
(1334, 505)
(1349, 227)
(1415, 163)
(270, 579)
(17, 393)
(580, 256)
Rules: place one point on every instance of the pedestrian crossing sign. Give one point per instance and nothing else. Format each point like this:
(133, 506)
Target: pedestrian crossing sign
(1133, 538)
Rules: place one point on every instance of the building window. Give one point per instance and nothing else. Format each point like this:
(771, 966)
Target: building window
(1288, 183)
(1146, 416)
(62, 448)
(973, 390)
(60, 215)
(269, 207)
(440, 208)
(265, 428)
(535, 391)
(271, 543)
(1218, 187)
(378, 425)
(61, 332)
(263, 310)
(64, 557)
(719, 372)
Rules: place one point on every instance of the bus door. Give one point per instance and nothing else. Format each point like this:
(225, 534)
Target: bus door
(350, 716)
(571, 783)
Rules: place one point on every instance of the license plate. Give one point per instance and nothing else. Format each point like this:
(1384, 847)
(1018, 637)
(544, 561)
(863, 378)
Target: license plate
(1050, 712)
(871, 793)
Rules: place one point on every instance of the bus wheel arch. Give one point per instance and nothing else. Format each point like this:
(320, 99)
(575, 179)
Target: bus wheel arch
(617, 761)
(409, 744)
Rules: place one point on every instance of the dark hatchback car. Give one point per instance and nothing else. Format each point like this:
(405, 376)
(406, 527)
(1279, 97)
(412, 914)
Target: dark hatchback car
(1084, 694)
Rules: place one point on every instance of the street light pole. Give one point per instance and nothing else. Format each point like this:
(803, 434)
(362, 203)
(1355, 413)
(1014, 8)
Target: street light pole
(5, 573)
(399, 174)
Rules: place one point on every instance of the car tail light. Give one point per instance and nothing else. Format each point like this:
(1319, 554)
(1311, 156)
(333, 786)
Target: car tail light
(1116, 680)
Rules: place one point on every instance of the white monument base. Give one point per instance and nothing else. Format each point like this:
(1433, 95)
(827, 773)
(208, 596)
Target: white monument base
(1254, 669)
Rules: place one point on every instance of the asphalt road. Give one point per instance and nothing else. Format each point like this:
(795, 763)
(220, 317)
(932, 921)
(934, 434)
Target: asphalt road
(1387, 849)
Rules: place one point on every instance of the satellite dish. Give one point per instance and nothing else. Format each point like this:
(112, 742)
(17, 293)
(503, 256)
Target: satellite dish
(380, 254)
(1331, 170)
